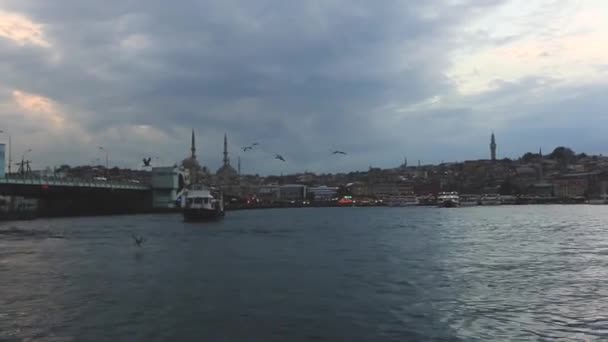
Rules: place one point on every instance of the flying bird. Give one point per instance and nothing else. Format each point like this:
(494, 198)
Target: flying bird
(147, 161)
(247, 148)
(255, 144)
(279, 157)
(338, 152)
(138, 240)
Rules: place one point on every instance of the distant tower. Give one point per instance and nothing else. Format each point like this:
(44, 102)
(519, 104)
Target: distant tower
(239, 165)
(404, 161)
(226, 160)
(541, 175)
(493, 147)
(193, 147)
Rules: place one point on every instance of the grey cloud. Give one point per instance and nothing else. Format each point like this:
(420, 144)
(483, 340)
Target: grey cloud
(303, 77)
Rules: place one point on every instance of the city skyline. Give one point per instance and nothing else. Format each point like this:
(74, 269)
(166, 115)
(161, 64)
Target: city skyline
(380, 81)
(226, 165)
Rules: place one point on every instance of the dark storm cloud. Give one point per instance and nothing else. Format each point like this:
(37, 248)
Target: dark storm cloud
(303, 77)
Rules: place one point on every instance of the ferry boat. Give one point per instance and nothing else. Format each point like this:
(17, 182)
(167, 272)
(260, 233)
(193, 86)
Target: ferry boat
(401, 201)
(203, 202)
(448, 199)
(490, 200)
(469, 200)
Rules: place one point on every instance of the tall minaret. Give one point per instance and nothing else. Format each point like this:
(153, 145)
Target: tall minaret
(193, 147)
(226, 160)
(541, 175)
(239, 165)
(492, 147)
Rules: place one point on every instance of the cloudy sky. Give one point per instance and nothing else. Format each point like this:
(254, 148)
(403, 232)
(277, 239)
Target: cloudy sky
(381, 80)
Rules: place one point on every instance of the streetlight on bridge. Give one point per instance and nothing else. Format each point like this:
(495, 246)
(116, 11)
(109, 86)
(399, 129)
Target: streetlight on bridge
(23, 163)
(107, 155)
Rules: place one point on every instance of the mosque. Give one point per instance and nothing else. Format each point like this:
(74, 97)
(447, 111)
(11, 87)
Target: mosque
(226, 176)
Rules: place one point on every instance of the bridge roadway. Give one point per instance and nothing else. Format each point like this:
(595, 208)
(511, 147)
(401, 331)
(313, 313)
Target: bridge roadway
(72, 182)
(72, 196)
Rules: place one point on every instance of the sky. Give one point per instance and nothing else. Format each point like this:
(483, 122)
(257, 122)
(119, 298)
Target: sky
(381, 80)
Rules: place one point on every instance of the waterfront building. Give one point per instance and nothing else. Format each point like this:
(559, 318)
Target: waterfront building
(268, 193)
(168, 184)
(323, 193)
(358, 189)
(570, 187)
(392, 189)
(292, 192)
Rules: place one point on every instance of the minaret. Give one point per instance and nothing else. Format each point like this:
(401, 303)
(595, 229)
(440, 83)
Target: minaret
(492, 148)
(239, 165)
(193, 147)
(226, 160)
(541, 175)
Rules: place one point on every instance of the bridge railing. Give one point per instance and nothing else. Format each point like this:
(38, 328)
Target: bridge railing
(72, 182)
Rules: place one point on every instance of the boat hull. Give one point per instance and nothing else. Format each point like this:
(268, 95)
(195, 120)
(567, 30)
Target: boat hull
(402, 204)
(448, 204)
(492, 202)
(469, 203)
(191, 214)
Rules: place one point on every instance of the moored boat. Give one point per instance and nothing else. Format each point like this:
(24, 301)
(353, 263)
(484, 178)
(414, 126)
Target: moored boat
(401, 201)
(490, 199)
(603, 199)
(508, 199)
(469, 200)
(448, 199)
(202, 203)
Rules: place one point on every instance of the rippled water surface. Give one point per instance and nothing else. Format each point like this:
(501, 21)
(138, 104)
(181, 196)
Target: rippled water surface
(332, 274)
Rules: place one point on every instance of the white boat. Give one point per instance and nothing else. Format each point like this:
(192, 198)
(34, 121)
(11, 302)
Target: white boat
(202, 202)
(491, 200)
(401, 201)
(469, 200)
(602, 200)
(448, 199)
(508, 199)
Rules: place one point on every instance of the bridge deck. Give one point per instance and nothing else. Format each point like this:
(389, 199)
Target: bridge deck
(72, 182)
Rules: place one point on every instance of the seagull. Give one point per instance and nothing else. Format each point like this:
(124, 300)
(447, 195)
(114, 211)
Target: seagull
(255, 144)
(279, 157)
(138, 240)
(147, 161)
(338, 152)
(247, 148)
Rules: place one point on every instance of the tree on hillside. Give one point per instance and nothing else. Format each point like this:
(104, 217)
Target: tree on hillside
(563, 155)
(529, 157)
(63, 168)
